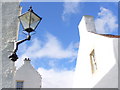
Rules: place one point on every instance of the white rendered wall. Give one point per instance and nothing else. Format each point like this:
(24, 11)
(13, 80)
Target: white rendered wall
(29, 75)
(106, 75)
(10, 25)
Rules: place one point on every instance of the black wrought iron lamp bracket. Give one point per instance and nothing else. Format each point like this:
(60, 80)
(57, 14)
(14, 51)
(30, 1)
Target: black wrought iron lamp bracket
(14, 56)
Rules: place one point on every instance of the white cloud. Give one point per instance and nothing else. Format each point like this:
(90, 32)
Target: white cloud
(51, 48)
(56, 79)
(70, 8)
(106, 21)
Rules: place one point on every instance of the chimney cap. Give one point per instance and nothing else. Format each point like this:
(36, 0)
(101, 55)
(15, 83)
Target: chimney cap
(27, 59)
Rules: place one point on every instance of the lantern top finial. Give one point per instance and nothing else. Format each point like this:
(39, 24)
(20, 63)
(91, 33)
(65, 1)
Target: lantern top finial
(30, 9)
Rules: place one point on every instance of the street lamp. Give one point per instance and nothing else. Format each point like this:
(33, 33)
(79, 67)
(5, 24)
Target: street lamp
(29, 21)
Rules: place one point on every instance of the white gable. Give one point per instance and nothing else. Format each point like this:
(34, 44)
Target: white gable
(26, 73)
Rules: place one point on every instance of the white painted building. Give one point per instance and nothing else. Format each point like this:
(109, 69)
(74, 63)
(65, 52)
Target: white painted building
(97, 61)
(27, 77)
(9, 26)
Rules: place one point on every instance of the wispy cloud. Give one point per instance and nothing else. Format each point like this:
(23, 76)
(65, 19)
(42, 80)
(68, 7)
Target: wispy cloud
(55, 79)
(69, 9)
(106, 21)
(51, 48)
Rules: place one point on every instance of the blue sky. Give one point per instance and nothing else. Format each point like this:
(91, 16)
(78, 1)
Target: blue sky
(55, 44)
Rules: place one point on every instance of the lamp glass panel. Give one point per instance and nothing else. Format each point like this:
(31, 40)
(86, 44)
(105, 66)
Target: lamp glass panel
(34, 20)
(25, 20)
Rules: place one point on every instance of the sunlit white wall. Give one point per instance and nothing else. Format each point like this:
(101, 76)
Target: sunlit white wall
(107, 70)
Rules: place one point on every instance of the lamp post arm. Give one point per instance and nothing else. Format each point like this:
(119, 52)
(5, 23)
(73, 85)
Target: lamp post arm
(14, 56)
(19, 42)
